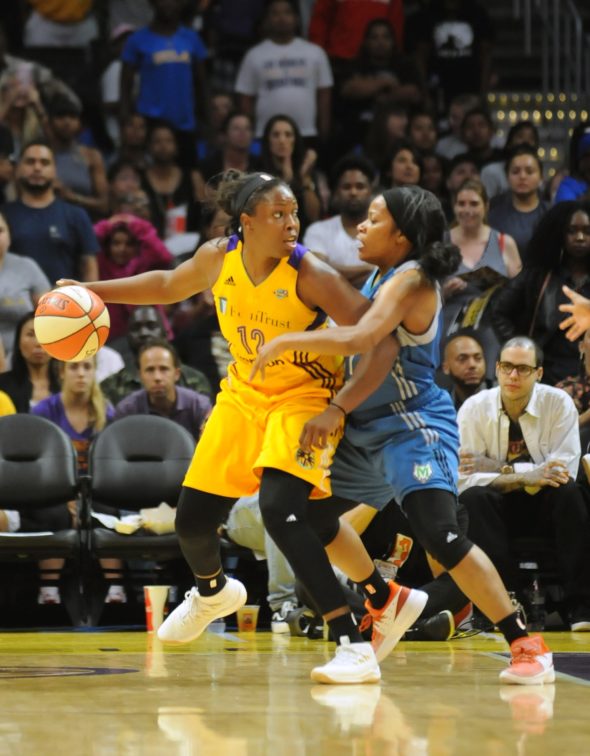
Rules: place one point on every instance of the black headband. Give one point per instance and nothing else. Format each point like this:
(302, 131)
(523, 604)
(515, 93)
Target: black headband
(248, 189)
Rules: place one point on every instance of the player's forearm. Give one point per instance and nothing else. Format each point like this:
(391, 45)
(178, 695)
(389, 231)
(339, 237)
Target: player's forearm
(343, 340)
(143, 289)
(369, 373)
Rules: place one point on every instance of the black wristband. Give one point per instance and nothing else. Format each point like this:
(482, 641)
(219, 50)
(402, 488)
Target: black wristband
(335, 404)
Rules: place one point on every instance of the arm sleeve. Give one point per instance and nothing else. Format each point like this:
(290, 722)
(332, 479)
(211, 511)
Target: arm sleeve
(247, 81)
(565, 433)
(38, 281)
(122, 409)
(130, 53)
(325, 78)
(472, 440)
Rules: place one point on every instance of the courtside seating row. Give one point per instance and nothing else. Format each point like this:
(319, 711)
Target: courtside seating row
(134, 463)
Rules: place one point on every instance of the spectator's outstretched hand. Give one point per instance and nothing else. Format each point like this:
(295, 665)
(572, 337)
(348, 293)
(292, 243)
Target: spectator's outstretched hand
(579, 319)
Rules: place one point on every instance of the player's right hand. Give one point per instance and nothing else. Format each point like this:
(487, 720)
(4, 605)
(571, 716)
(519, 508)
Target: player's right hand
(68, 282)
(317, 431)
(579, 314)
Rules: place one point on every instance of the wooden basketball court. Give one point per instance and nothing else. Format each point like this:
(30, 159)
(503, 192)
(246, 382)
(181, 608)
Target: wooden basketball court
(113, 693)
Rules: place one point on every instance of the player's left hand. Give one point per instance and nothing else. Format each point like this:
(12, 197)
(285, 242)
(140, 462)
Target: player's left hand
(579, 319)
(317, 431)
(266, 354)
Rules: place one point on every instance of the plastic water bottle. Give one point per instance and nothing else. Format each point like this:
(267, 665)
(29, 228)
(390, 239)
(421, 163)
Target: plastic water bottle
(537, 606)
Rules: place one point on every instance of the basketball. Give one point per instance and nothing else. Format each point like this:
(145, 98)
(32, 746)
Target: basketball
(71, 323)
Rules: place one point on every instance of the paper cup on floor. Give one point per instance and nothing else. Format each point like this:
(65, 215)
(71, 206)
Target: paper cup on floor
(248, 618)
(155, 601)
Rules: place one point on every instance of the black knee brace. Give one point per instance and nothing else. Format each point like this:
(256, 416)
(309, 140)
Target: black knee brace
(439, 525)
(285, 507)
(198, 517)
(324, 515)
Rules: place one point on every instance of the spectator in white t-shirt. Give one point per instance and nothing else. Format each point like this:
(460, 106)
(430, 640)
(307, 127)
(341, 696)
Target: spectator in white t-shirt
(286, 74)
(335, 239)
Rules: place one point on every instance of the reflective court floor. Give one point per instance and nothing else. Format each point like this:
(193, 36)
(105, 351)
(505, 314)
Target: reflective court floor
(249, 694)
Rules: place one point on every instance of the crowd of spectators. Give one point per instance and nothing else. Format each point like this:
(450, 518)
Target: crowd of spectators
(116, 120)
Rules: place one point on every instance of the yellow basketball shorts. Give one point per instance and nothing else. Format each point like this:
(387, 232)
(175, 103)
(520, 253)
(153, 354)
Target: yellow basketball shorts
(248, 431)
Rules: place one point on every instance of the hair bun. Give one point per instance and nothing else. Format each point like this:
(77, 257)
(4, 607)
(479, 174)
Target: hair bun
(440, 259)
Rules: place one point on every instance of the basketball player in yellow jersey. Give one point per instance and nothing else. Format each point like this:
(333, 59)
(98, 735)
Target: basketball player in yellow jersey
(264, 284)
(267, 416)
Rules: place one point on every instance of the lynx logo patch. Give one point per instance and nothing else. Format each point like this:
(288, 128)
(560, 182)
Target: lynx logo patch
(305, 459)
(422, 473)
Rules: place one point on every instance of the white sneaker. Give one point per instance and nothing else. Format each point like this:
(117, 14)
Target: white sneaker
(279, 623)
(190, 618)
(402, 609)
(353, 663)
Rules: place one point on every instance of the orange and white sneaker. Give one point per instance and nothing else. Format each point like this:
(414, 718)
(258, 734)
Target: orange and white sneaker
(531, 662)
(402, 609)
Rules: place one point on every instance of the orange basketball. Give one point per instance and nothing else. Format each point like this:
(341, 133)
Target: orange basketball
(71, 323)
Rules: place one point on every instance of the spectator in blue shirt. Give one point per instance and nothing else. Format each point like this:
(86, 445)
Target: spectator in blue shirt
(54, 233)
(169, 60)
(159, 371)
(576, 186)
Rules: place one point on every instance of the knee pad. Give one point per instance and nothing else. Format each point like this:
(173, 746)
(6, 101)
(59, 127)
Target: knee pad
(433, 515)
(283, 499)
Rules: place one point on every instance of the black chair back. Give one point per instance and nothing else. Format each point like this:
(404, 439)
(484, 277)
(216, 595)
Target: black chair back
(139, 461)
(38, 464)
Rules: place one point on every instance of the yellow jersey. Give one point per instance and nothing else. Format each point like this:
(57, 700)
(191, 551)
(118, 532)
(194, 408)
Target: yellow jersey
(251, 315)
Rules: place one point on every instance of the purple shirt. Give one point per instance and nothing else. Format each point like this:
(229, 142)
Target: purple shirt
(53, 409)
(190, 411)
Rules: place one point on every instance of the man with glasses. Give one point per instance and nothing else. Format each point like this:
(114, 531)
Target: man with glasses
(519, 456)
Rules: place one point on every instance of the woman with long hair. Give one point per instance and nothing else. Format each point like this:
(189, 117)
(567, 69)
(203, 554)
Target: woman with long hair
(401, 439)
(558, 255)
(488, 258)
(285, 155)
(33, 375)
(403, 165)
(81, 411)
